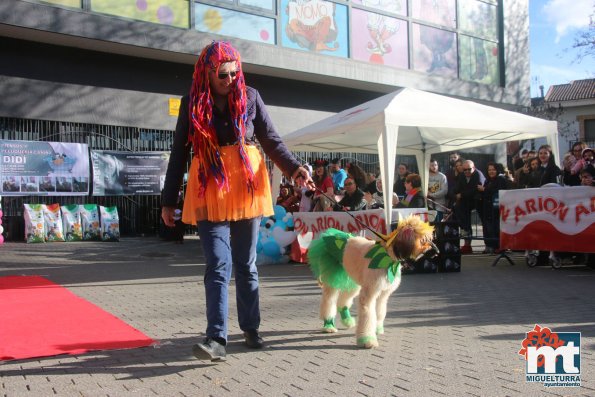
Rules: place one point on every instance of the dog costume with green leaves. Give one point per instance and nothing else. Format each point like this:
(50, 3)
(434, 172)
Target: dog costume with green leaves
(325, 256)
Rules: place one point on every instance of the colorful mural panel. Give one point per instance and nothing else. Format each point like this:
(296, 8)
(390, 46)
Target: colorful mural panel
(166, 12)
(394, 6)
(234, 23)
(315, 25)
(478, 18)
(379, 39)
(440, 12)
(264, 4)
(434, 51)
(478, 60)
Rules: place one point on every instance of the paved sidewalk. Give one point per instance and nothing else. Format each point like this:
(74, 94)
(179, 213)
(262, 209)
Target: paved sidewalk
(453, 334)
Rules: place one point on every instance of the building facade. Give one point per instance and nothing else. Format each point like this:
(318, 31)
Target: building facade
(575, 103)
(121, 65)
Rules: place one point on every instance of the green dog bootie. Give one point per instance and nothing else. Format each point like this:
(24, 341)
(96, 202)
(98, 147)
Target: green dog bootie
(346, 318)
(329, 325)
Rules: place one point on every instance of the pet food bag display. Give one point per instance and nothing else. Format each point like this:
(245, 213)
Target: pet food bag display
(90, 222)
(110, 224)
(34, 223)
(71, 222)
(53, 222)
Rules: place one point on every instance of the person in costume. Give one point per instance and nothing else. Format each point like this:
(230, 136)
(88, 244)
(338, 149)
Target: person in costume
(228, 187)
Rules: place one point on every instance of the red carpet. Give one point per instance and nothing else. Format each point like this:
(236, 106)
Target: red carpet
(39, 318)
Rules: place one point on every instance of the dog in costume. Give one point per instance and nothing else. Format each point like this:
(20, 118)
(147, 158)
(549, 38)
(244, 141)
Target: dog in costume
(346, 265)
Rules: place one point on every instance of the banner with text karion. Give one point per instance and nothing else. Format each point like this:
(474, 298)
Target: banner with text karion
(36, 168)
(309, 225)
(122, 173)
(548, 219)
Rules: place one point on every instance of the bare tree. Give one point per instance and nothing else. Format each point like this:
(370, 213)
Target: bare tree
(584, 41)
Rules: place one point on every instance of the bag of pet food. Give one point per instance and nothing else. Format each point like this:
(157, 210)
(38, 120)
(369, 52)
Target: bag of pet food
(110, 223)
(71, 222)
(53, 222)
(90, 222)
(34, 223)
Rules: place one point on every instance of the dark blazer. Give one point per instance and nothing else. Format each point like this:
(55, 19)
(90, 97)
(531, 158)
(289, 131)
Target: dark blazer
(258, 127)
(468, 190)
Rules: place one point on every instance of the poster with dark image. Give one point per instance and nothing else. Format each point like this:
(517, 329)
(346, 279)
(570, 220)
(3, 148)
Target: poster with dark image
(125, 173)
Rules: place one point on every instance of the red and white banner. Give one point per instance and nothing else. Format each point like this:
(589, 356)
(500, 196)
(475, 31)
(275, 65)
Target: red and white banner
(308, 225)
(548, 219)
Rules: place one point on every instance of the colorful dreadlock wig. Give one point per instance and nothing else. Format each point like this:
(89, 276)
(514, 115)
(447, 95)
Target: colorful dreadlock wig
(204, 137)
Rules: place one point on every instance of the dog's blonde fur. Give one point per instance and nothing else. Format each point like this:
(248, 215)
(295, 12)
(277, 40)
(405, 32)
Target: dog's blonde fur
(411, 239)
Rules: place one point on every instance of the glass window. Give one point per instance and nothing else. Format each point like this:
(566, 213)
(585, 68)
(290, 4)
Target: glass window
(590, 130)
(440, 12)
(478, 60)
(234, 23)
(264, 4)
(393, 6)
(67, 3)
(434, 51)
(379, 39)
(166, 12)
(478, 19)
(315, 25)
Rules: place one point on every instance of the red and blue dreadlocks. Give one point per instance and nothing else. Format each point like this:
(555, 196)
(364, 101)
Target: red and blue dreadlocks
(204, 138)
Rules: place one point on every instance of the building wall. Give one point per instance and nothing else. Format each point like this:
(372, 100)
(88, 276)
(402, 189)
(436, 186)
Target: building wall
(76, 65)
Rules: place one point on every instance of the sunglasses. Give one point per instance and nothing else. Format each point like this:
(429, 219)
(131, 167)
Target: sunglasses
(226, 75)
(467, 169)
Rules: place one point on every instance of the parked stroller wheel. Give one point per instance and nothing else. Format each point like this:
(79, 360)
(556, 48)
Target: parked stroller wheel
(556, 262)
(531, 260)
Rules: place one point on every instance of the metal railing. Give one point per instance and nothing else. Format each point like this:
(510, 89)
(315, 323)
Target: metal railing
(139, 215)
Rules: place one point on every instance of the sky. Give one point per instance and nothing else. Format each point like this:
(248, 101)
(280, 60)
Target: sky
(553, 26)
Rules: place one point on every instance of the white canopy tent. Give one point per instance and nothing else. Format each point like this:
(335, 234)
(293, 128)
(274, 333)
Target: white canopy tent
(414, 122)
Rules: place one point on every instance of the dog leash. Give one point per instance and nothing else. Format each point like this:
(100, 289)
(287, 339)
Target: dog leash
(360, 223)
(443, 207)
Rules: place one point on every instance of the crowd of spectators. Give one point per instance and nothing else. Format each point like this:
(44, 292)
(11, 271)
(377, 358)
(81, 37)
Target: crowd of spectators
(453, 195)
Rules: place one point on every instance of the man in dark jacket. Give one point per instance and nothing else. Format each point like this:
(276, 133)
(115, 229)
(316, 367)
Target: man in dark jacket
(468, 197)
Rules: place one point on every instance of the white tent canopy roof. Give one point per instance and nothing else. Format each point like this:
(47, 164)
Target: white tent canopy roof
(414, 122)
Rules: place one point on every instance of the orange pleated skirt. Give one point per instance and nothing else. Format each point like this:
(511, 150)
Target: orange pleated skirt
(218, 204)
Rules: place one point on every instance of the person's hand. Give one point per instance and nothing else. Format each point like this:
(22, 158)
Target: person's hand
(167, 214)
(481, 188)
(301, 177)
(368, 197)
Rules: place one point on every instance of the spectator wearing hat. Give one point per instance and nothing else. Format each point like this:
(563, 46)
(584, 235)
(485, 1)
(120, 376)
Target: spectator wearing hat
(586, 161)
(338, 175)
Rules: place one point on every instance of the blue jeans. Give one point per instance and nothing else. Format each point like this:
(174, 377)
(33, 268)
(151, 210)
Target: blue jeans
(230, 244)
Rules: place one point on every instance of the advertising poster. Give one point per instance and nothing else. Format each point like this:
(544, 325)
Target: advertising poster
(30, 168)
(125, 173)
